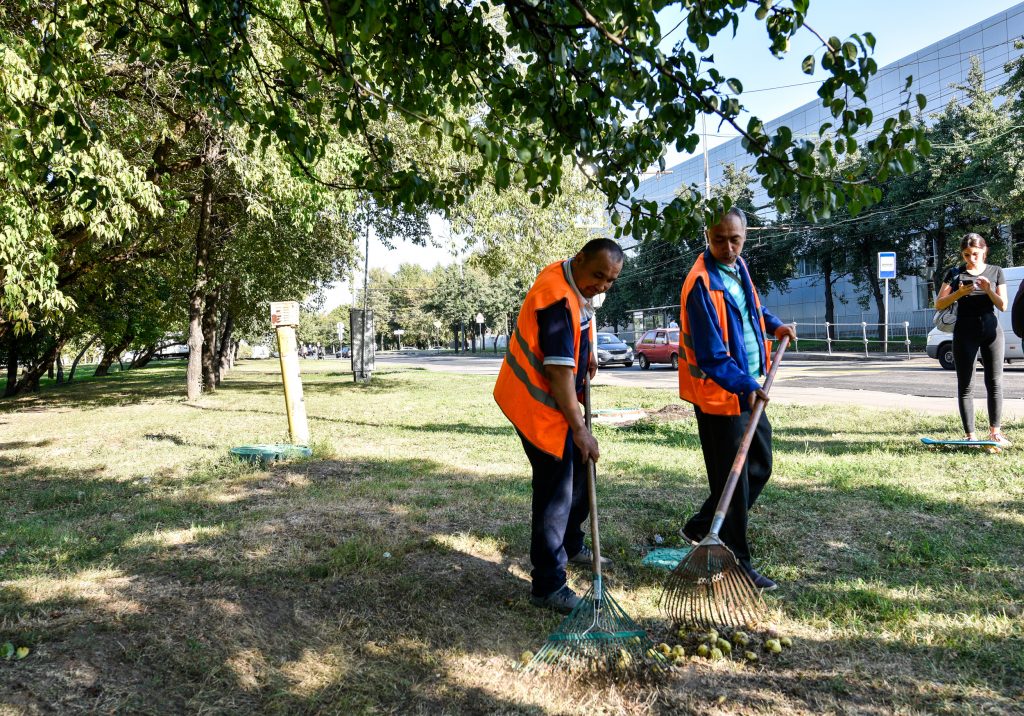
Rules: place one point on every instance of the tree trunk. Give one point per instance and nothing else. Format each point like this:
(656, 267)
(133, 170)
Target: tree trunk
(830, 302)
(49, 371)
(30, 378)
(226, 348)
(60, 368)
(143, 358)
(194, 373)
(74, 364)
(114, 353)
(210, 353)
(1016, 232)
(12, 366)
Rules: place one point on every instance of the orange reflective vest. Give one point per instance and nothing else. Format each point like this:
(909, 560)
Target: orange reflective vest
(523, 391)
(695, 386)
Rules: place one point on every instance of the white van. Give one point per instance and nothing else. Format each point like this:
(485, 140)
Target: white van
(940, 345)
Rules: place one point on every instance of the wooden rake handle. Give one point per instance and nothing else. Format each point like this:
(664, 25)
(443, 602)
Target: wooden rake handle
(748, 437)
(595, 534)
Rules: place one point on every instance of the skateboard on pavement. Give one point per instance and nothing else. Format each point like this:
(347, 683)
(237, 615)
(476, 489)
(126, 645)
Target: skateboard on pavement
(988, 445)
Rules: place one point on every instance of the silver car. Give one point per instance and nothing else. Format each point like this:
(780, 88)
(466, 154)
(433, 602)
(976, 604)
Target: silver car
(611, 350)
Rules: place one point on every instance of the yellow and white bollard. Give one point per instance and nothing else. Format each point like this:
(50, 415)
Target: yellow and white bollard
(285, 316)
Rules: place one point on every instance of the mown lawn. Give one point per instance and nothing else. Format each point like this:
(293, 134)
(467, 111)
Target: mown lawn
(148, 573)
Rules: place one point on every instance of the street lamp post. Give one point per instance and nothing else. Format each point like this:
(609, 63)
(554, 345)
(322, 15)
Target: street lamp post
(480, 330)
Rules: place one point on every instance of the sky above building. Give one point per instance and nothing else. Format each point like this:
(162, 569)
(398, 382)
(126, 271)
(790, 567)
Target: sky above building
(771, 87)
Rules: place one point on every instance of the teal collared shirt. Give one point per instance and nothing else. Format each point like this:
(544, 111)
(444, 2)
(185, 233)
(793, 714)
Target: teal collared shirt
(734, 285)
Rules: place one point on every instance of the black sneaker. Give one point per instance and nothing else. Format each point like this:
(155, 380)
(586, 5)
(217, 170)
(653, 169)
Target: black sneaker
(691, 539)
(562, 600)
(586, 556)
(760, 581)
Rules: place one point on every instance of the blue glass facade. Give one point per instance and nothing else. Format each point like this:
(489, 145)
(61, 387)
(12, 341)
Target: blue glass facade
(935, 69)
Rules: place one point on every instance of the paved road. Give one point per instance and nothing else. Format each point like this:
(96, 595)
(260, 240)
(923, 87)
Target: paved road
(915, 384)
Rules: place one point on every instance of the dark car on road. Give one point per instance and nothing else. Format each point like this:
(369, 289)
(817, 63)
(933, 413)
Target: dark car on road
(660, 345)
(610, 349)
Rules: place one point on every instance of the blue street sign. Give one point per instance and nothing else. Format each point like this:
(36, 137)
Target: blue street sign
(886, 264)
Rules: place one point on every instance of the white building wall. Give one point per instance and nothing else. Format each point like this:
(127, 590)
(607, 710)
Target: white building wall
(936, 69)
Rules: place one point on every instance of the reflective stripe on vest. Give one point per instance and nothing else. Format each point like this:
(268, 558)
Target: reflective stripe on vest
(694, 384)
(536, 392)
(523, 391)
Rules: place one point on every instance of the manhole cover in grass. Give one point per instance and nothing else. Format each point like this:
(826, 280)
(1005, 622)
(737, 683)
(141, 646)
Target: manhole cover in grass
(264, 454)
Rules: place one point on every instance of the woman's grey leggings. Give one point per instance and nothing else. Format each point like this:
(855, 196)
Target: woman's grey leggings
(969, 337)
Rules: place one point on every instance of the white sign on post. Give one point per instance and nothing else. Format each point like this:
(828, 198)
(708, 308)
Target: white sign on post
(886, 271)
(284, 313)
(886, 264)
(479, 318)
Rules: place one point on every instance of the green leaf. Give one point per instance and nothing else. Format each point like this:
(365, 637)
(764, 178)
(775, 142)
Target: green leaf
(21, 652)
(735, 86)
(808, 65)
(7, 650)
(922, 101)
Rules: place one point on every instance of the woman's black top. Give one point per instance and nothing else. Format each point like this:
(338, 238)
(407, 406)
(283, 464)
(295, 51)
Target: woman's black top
(977, 303)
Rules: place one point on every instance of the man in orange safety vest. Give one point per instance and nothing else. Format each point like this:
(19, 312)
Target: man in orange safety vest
(539, 389)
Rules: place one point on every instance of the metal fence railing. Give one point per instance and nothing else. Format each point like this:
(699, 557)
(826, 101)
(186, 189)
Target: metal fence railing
(863, 335)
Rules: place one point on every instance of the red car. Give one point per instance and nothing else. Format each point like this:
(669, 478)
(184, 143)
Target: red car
(660, 345)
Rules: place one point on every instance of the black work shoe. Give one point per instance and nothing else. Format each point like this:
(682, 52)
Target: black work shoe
(586, 556)
(693, 541)
(760, 581)
(562, 600)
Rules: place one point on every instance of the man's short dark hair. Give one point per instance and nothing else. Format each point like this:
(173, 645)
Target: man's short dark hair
(739, 214)
(595, 245)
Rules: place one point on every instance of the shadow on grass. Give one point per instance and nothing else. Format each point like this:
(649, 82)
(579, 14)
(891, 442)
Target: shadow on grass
(289, 607)
(154, 382)
(450, 427)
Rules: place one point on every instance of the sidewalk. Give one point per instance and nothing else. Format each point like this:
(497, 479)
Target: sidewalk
(791, 354)
(1013, 408)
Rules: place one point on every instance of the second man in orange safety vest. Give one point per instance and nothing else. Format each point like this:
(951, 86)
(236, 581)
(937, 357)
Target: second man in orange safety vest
(724, 340)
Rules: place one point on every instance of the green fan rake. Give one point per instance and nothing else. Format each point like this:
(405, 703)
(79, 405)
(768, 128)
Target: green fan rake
(597, 634)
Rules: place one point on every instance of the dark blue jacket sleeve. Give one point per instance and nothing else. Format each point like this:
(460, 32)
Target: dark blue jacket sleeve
(556, 334)
(771, 322)
(712, 356)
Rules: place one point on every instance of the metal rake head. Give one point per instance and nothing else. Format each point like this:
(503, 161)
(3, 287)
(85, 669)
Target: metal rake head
(597, 635)
(710, 588)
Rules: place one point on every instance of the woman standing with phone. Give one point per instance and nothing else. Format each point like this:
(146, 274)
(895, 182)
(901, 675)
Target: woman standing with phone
(978, 289)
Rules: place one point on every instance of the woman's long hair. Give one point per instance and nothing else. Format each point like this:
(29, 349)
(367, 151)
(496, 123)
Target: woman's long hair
(974, 241)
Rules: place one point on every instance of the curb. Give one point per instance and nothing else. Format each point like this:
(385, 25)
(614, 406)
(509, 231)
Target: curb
(847, 357)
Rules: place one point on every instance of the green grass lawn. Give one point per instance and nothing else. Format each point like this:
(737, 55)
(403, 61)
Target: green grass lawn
(149, 573)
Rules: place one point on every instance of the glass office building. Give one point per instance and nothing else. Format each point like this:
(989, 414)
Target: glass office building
(935, 69)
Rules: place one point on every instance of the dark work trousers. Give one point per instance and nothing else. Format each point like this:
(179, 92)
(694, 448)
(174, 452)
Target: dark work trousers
(971, 335)
(560, 507)
(720, 437)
